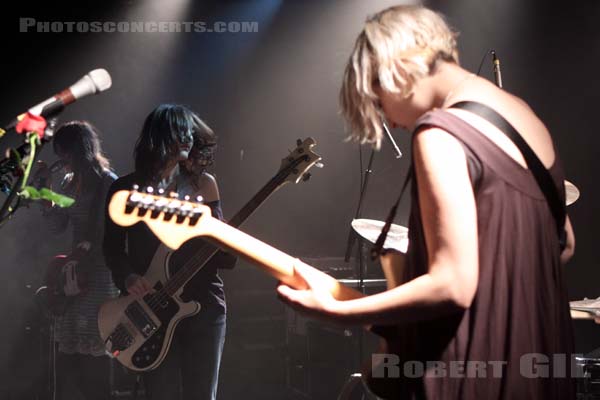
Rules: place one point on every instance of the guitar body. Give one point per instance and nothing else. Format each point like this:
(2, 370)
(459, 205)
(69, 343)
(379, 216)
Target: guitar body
(138, 332)
(126, 208)
(387, 387)
(58, 275)
(393, 265)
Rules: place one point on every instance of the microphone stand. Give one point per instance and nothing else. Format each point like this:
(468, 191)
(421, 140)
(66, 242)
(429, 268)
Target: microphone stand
(353, 236)
(363, 187)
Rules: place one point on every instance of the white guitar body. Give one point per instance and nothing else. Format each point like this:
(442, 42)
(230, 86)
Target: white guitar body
(139, 335)
(138, 332)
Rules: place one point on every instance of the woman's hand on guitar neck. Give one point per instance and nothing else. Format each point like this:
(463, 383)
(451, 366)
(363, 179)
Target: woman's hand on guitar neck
(315, 300)
(138, 285)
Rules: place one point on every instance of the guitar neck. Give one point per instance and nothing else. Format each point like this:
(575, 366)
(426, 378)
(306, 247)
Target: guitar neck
(271, 260)
(263, 194)
(203, 256)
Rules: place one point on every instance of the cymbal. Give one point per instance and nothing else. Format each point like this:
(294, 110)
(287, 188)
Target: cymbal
(370, 229)
(585, 309)
(572, 193)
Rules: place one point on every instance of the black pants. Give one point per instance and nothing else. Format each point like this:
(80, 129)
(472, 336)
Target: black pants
(191, 368)
(82, 375)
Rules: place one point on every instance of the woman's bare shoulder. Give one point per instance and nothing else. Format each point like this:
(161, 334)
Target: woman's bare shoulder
(208, 187)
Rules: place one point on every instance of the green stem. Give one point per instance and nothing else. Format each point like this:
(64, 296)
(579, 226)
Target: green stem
(33, 139)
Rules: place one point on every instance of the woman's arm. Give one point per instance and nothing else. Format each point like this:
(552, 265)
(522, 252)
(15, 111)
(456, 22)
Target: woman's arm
(94, 233)
(210, 193)
(569, 249)
(450, 223)
(58, 218)
(113, 246)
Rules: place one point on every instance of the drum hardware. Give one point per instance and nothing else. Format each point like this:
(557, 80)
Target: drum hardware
(587, 370)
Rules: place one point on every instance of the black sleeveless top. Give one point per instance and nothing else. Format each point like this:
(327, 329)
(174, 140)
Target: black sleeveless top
(131, 249)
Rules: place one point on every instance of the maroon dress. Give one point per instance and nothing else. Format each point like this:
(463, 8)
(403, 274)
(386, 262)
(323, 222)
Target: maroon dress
(515, 341)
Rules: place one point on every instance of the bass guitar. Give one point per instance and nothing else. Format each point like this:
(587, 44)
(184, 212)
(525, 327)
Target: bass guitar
(138, 331)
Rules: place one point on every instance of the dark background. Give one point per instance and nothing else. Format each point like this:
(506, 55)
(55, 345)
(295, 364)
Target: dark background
(260, 92)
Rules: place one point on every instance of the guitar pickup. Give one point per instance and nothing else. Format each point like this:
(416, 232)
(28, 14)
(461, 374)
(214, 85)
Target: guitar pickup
(140, 319)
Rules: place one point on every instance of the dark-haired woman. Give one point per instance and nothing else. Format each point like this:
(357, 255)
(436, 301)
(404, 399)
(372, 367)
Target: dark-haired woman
(190, 369)
(82, 364)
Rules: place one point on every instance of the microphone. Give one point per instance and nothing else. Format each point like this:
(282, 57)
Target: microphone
(497, 74)
(95, 81)
(391, 138)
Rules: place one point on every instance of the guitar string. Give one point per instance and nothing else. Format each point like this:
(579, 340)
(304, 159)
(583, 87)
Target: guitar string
(191, 267)
(207, 251)
(201, 258)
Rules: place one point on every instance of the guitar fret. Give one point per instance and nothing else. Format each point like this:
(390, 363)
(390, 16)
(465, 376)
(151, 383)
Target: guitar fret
(199, 259)
(169, 218)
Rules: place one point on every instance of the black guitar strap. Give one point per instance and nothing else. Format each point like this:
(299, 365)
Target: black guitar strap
(539, 171)
(377, 248)
(537, 168)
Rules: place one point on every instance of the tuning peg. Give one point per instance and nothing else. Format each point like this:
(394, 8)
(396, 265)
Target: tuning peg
(136, 188)
(135, 197)
(185, 209)
(161, 191)
(150, 190)
(306, 177)
(199, 199)
(186, 198)
(161, 203)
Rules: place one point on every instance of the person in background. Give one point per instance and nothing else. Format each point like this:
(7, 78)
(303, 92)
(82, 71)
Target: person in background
(85, 282)
(170, 136)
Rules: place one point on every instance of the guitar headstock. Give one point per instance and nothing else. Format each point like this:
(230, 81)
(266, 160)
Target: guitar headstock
(299, 161)
(169, 217)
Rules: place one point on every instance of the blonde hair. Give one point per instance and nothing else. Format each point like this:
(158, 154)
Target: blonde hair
(396, 47)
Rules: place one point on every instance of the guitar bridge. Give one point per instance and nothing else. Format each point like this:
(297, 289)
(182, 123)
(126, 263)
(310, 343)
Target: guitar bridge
(119, 340)
(140, 319)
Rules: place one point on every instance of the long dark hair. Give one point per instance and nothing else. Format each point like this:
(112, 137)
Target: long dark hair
(80, 141)
(202, 154)
(164, 128)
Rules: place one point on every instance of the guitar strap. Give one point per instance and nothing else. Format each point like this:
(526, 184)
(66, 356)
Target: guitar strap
(537, 168)
(377, 248)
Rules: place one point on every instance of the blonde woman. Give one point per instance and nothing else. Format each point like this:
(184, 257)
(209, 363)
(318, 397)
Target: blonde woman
(483, 283)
